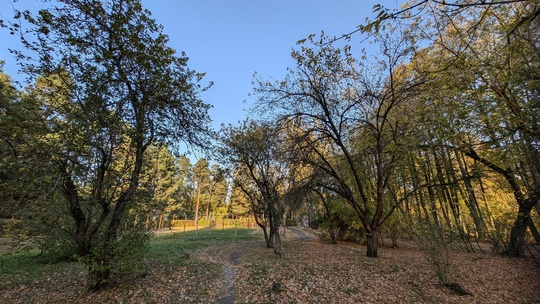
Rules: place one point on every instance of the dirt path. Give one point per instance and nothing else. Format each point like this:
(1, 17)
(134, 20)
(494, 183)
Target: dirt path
(230, 269)
(228, 276)
(300, 233)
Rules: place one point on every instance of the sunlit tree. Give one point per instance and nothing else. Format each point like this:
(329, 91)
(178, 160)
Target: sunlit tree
(111, 88)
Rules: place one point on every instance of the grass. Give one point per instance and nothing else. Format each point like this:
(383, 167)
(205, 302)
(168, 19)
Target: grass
(23, 268)
(172, 247)
(166, 248)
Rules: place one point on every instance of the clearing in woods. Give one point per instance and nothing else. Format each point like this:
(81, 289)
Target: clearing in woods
(233, 266)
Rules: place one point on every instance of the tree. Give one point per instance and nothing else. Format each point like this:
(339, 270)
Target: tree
(12, 114)
(185, 186)
(239, 204)
(417, 7)
(494, 84)
(26, 176)
(217, 191)
(159, 182)
(353, 119)
(254, 151)
(110, 88)
(201, 174)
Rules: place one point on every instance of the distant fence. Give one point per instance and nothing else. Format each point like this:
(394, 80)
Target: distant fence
(240, 222)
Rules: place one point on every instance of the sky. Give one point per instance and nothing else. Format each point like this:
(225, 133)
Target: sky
(231, 40)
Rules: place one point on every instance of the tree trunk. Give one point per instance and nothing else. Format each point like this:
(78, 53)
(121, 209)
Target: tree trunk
(371, 242)
(277, 243)
(198, 202)
(517, 238)
(83, 245)
(275, 227)
(329, 218)
(269, 238)
(470, 198)
(332, 234)
(517, 233)
(534, 231)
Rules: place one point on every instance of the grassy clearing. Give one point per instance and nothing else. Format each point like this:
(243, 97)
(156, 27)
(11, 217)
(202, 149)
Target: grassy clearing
(310, 272)
(167, 248)
(174, 247)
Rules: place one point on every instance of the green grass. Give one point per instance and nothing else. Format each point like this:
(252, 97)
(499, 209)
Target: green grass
(22, 268)
(26, 267)
(171, 248)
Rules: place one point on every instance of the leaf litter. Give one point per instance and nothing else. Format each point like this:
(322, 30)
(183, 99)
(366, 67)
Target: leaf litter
(310, 271)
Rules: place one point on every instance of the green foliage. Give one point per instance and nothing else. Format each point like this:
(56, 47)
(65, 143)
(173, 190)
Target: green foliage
(344, 222)
(395, 227)
(10, 227)
(107, 92)
(239, 202)
(129, 250)
(56, 245)
(291, 222)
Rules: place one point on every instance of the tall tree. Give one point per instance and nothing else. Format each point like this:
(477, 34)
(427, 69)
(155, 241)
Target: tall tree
(239, 203)
(354, 121)
(159, 182)
(112, 88)
(254, 151)
(185, 187)
(201, 174)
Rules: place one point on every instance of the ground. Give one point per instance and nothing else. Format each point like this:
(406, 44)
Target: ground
(311, 271)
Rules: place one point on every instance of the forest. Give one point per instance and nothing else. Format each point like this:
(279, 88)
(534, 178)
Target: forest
(435, 136)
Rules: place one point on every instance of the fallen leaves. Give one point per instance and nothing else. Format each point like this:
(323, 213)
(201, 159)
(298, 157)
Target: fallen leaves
(310, 272)
(315, 272)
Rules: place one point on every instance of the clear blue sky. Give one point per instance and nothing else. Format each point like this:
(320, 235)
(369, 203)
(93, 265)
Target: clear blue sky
(230, 40)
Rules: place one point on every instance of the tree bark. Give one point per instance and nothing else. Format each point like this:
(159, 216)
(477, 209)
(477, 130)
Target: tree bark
(371, 242)
(275, 227)
(198, 202)
(277, 244)
(534, 231)
(269, 238)
(519, 229)
(332, 234)
(471, 200)
(329, 218)
(517, 233)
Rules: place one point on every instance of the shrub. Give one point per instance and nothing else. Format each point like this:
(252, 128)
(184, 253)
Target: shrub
(291, 222)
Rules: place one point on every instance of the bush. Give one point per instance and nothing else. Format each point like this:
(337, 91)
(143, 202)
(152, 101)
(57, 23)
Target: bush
(182, 223)
(11, 227)
(127, 257)
(436, 245)
(291, 223)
